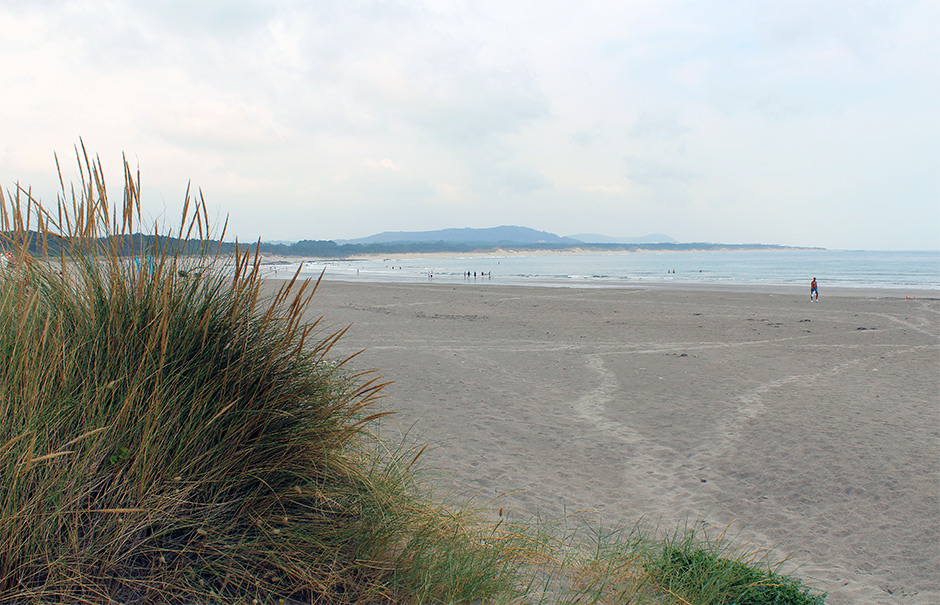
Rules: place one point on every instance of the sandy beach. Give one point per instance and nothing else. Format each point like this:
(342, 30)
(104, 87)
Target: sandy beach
(810, 427)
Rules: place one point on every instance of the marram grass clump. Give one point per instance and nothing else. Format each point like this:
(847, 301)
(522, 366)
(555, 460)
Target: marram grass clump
(171, 431)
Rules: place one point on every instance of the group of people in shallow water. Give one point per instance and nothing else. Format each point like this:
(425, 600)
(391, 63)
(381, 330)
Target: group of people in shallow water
(468, 274)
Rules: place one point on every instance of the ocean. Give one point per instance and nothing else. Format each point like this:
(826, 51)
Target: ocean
(832, 268)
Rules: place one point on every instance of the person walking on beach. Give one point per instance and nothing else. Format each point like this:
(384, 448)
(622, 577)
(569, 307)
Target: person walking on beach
(813, 291)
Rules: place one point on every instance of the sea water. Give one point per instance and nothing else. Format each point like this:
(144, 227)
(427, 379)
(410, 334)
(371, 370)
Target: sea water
(831, 268)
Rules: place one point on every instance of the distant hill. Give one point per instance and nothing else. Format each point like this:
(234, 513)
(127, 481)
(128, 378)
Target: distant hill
(596, 238)
(502, 236)
(492, 236)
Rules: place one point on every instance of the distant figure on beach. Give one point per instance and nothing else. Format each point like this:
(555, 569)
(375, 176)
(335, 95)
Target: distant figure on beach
(813, 291)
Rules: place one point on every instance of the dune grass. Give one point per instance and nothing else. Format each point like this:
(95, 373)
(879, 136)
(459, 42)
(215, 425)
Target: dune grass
(168, 433)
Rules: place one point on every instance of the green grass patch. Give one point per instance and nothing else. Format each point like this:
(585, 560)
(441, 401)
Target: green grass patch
(697, 570)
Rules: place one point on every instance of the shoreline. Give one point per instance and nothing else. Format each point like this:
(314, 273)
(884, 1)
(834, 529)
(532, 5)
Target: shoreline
(808, 427)
(834, 291)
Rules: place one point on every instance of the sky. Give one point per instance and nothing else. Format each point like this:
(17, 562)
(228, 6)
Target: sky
(805, 123)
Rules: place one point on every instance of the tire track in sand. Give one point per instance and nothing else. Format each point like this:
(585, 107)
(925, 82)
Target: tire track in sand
(652, 471)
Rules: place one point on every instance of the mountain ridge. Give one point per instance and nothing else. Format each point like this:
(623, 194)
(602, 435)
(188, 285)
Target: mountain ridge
(501, 235)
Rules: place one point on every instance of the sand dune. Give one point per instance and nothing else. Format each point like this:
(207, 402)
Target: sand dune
(812, 427)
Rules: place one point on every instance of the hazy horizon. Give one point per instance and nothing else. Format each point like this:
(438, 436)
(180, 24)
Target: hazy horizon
(791, 123)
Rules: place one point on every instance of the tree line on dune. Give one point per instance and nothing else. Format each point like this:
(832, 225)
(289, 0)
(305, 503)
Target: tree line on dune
(131, 245)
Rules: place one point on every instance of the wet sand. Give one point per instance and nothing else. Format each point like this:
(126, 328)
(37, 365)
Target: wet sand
(810, 427)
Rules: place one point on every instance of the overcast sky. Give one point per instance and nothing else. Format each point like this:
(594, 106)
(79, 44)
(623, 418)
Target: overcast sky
(804, 123)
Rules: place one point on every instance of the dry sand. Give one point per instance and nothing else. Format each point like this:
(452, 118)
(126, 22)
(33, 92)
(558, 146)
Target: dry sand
(811, 427)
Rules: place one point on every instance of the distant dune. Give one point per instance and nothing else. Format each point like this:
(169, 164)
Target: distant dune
(597, 238)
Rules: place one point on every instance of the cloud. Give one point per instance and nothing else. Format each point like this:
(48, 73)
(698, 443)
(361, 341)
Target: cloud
(659, 175)
(217, 18)
(383, 164)
(660, 125)
(224, 125)
(604, 188)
